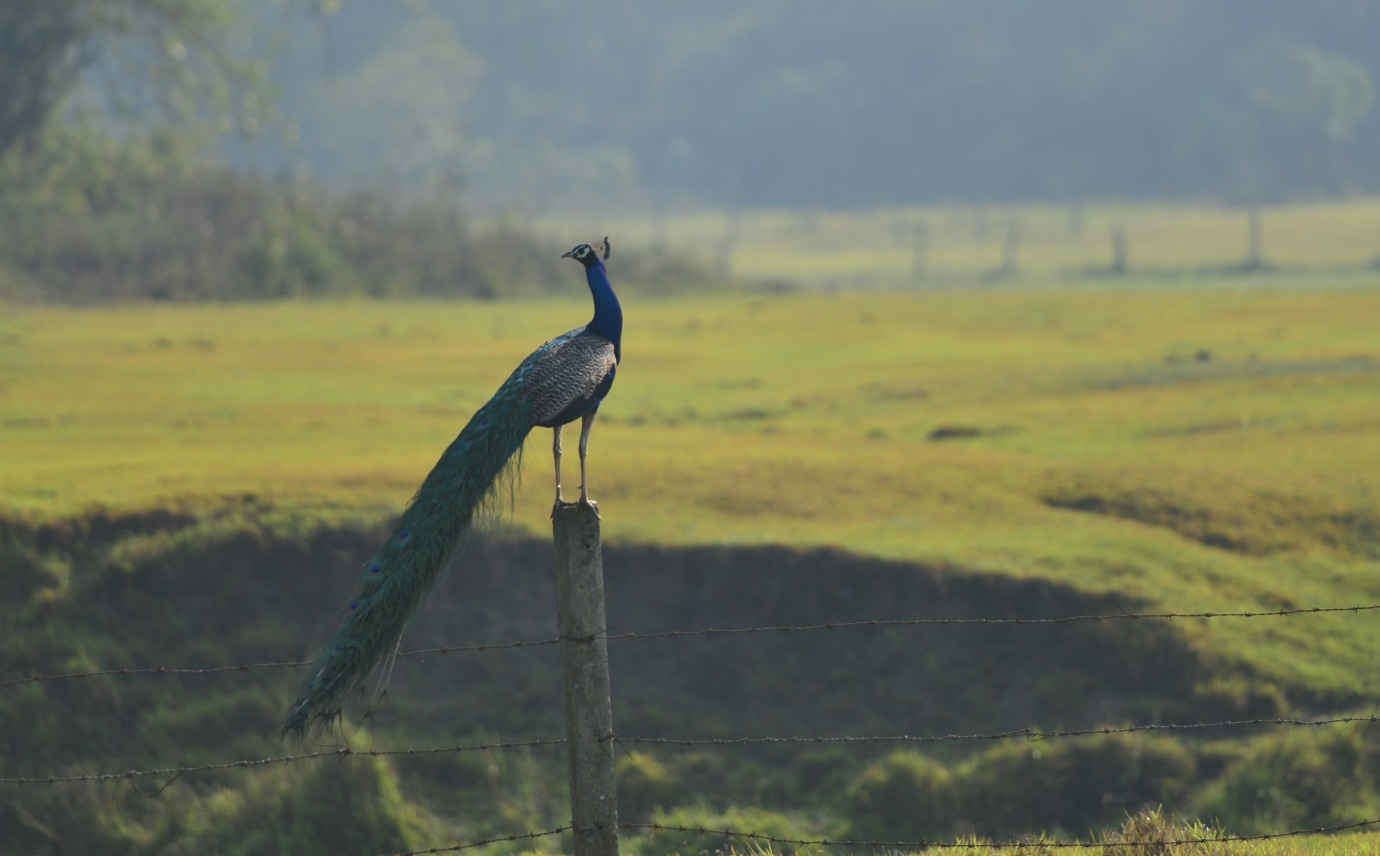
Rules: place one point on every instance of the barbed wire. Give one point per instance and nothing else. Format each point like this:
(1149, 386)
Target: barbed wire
(152, 670)
(342, 752)
(721, 631)
(1030, 734)
(944, 622)
(523, 836)
(1013, 845)
(209, 670)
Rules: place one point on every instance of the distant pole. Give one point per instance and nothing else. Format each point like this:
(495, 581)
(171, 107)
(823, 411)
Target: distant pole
(1255, 254)
(1011, 247)
(659, 229)
(585, 671)
(919, 251)
(1119, 260)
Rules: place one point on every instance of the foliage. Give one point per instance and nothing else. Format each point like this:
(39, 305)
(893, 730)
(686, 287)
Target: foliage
(158, 61)
(746, 819)
(1297, 780)
(92, 218)
(256, 586)
(906, 796)
(882, 102)
(1083, 784)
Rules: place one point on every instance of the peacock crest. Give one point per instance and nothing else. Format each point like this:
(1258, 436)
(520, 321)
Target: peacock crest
(584, 253)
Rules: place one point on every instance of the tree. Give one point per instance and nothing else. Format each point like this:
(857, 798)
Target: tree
(44, 45)
(149, 62)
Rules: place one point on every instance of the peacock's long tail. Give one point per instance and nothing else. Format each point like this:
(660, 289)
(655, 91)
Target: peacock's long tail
(405, 569)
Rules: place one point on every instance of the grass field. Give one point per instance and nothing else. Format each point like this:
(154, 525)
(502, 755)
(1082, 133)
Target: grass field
(1205, 448)
(1192, 442)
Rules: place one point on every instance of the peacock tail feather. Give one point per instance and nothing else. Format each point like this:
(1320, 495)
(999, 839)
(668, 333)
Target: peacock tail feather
(397, 579)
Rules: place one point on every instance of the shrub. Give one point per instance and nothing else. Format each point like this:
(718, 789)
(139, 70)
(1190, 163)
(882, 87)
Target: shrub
(1294, 780)
(905, 796)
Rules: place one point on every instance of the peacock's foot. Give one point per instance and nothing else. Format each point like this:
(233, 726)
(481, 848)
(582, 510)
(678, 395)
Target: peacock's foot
(580, 503)
(590, 504)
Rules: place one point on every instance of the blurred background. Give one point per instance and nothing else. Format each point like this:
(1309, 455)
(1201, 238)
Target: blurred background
(936, 310)
(294, 128)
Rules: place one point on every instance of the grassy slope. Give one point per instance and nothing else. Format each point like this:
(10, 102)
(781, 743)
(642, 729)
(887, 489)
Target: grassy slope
(1237, 483)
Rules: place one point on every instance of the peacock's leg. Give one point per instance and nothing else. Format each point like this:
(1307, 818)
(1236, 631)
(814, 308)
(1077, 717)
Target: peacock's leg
(556, 449)
(586, 425)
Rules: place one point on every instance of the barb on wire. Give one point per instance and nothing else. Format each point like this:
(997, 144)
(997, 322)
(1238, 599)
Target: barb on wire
(946, 622)
(246, 667)
(342, 752)
(1026, 733)
(922, 845)
(523, 836)
(724, 631)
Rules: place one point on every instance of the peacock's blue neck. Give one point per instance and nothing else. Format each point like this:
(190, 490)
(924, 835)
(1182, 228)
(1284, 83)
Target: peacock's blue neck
(608, 314)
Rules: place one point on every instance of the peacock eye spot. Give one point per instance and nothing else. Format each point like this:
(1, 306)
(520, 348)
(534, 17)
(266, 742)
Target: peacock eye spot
(404, 535)
(375, 568)
(354, 604)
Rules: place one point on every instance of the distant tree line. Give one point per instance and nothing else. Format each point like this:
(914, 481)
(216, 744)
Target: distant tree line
(109, 114)
(813, 102)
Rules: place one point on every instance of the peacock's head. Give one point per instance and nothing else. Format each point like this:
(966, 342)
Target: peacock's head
(588, 254)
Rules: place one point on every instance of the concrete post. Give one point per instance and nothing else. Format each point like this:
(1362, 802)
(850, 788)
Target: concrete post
(585, 670)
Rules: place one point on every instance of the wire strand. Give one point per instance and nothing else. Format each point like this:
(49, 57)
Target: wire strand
(1026, 733)
(945, 622)
(720, 631)
(523, 836)
(1030, 734)
(342, 752)
(209, 670)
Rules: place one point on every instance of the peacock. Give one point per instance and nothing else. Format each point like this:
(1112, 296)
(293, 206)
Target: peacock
(565, 379)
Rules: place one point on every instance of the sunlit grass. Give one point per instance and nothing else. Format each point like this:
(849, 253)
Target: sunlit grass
(1251, 409)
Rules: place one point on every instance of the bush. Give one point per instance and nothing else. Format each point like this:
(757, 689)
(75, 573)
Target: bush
(1287, 781)
(1016, 789)
(755, 820)
(644, 786)
(92, 219)
(906, 796)
(1074, 785)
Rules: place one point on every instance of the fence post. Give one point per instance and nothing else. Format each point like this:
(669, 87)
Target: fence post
(919, 251)
(1255, 254)
(585, 671)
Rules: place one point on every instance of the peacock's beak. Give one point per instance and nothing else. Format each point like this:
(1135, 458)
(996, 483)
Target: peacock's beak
(567, 255)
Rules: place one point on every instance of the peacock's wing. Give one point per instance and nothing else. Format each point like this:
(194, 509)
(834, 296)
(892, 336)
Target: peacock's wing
(568, 377)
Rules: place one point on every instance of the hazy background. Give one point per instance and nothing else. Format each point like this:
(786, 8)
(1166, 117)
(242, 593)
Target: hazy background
(204, 149)
(814, 103)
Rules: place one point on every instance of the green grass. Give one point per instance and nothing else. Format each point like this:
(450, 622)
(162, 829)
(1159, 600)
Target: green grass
(1097, 448)
(1188, 441)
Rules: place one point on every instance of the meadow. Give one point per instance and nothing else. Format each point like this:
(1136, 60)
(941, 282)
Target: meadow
(1195, 449)
(1183, 441)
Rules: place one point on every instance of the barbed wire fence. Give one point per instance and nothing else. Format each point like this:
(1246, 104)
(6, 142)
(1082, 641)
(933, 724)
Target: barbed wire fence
(609, 738)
